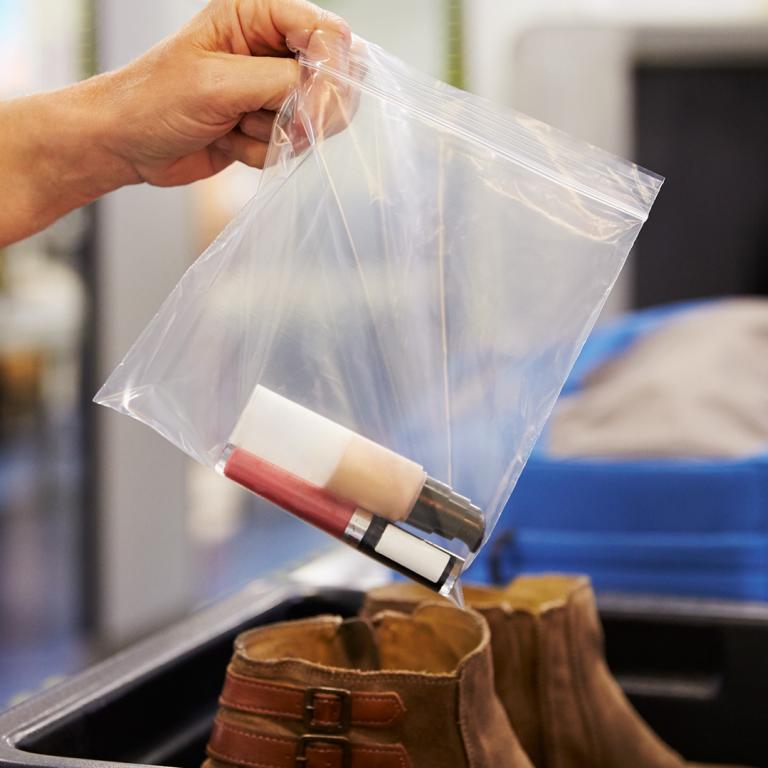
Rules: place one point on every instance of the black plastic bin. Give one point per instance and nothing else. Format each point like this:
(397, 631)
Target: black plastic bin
(153, 704)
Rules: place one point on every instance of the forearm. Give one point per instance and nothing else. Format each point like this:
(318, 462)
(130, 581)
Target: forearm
(55, 156)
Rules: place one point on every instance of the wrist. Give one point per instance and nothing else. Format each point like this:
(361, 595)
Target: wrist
(89, 139)
(68, 136)
(58, 155)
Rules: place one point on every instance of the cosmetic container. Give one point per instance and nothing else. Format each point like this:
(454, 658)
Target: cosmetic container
(416, 558)
(349, 466)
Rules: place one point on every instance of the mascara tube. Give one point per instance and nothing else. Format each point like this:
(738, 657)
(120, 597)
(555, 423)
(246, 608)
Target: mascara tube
(350, 466)
(420, 560)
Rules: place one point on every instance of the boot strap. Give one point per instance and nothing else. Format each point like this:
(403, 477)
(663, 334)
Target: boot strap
(235, 745)
(331, 710)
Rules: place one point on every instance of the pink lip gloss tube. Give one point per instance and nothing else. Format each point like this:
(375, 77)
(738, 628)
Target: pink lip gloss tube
(420, 560)
(344, 463)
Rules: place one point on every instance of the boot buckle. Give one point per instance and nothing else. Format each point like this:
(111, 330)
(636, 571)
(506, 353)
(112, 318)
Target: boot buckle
(310, 708)
(337, 741)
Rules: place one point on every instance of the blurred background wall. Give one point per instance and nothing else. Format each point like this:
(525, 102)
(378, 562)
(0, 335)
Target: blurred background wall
(44, 305)
(105, 530)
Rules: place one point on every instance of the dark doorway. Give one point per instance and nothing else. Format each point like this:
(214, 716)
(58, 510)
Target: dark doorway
(704, 127)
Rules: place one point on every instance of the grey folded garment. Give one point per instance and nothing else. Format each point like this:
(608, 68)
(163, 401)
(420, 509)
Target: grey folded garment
(696, 388)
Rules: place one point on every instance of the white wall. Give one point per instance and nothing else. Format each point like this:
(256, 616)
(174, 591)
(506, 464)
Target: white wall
(494, 28)
(569, 63)
(414, 30)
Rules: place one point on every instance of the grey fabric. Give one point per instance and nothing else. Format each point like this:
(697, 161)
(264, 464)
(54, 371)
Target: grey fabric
(695, 388)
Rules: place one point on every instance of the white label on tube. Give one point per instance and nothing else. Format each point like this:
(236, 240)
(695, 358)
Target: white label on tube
(290, 436)
(416, 555)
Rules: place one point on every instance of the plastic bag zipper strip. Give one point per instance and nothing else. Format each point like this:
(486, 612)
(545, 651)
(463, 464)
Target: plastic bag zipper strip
(509, 140)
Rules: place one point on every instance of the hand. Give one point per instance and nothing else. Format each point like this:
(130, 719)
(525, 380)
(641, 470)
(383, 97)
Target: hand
(192, 105)
(207, 96)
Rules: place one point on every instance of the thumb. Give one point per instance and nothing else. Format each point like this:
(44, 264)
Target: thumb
(242, 84)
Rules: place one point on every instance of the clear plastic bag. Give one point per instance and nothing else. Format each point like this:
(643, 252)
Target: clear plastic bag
(376, 340)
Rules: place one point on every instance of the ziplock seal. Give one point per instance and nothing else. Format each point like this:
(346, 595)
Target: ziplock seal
(503, 134)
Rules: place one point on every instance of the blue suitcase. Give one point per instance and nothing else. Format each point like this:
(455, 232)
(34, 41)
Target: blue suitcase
(683, 527)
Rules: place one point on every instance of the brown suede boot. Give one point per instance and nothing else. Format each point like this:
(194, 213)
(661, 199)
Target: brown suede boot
(550, 673)
(397, 691)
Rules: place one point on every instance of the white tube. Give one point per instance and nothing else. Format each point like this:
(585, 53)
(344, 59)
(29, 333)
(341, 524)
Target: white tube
(290, 436)
(328, 455)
